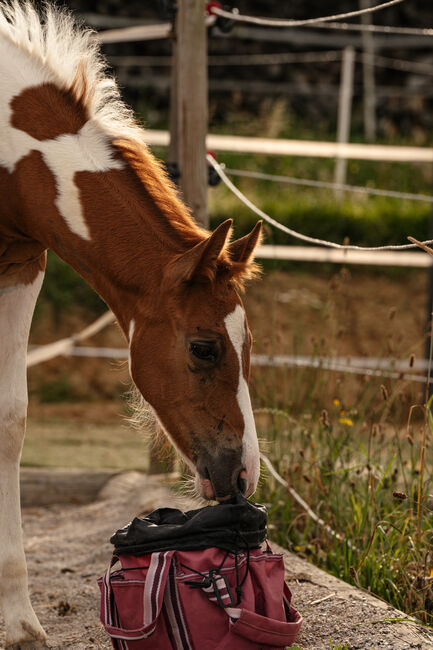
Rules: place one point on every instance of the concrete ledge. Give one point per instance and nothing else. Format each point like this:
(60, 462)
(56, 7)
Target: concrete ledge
(48, 486)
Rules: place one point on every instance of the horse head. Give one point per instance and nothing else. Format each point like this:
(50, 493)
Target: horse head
(190, 359)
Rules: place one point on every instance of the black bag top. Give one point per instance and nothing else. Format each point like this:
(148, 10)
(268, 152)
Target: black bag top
(236, 524)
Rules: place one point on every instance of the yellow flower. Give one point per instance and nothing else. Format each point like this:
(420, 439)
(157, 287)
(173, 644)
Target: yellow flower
(336, 402)
(347, 421)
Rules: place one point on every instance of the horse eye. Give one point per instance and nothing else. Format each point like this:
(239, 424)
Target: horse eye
(204, 350)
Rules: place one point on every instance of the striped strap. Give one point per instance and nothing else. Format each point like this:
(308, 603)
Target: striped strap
(176, 620)
(233, 612)
(155, 583)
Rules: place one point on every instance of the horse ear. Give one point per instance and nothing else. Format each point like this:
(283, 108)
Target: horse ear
(201, 260)
(242, 250)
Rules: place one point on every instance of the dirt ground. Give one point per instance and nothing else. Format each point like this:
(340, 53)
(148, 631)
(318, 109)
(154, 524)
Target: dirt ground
(67, 549)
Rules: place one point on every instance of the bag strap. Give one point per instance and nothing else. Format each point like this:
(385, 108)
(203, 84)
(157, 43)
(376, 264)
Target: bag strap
(154, 588)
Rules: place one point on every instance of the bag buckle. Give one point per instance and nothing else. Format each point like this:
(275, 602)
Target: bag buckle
(217, 588)
(204, 583)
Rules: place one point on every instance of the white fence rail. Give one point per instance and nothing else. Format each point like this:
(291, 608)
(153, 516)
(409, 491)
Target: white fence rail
(310, 148)
(316, 254)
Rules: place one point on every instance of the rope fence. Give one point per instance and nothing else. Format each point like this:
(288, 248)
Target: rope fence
(376, 29)
(275, 22)
(304, 505)
(409, 196)
(294, 233)
(327, 22)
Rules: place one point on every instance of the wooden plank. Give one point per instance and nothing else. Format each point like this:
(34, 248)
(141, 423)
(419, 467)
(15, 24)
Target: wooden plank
(135, 33)
(310, 148)
(303, 38)
(338, 256)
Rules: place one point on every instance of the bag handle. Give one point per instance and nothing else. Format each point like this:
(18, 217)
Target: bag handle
(255, 627)
(154, 587)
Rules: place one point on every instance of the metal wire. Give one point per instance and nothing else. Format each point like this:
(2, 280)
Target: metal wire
(399, 64)
(278, 58)
(290, 231)
(275, 22)
(328, 185)
(325, 56)
(378, 29)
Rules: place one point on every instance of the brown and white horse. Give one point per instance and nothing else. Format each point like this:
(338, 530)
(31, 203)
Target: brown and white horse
(76, 177)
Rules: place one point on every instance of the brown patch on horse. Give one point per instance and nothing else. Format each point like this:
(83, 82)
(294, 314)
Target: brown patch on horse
(21, 256)
(21, 263)
(46, 112)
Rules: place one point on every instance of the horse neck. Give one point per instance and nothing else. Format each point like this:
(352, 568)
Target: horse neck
(120, 234)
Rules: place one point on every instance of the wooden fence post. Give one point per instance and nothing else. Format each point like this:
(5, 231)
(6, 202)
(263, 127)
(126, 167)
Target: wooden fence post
(192, 108)
(368, 82)
(344, 112)
(173, 149)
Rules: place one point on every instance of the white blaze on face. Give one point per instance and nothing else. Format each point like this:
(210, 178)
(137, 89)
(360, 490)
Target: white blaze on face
(235, 325)
(130, 335)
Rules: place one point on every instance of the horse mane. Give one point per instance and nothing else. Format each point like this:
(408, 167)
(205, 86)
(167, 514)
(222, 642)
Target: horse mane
(69, 55)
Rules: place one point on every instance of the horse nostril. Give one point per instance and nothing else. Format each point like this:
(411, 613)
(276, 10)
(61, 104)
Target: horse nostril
(242, 484)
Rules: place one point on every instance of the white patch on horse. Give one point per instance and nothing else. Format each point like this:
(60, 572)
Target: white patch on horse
(235, 325)
(88, 150)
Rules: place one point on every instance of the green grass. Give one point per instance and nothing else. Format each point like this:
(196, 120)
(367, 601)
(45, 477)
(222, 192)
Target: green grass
(368, 478)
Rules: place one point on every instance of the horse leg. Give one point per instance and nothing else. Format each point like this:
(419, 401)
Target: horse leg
(23, 630)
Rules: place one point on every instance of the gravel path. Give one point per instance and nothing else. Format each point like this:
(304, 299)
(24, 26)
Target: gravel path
(67, 549)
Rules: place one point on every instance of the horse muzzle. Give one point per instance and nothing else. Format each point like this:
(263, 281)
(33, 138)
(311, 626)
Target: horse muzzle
(221, 474)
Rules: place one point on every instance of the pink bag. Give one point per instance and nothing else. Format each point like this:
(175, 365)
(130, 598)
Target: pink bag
(198, 600)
